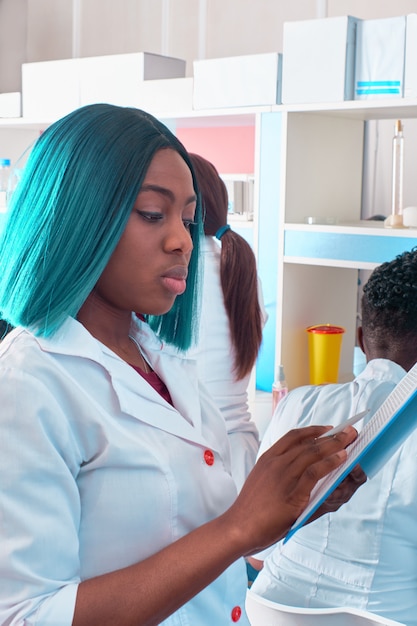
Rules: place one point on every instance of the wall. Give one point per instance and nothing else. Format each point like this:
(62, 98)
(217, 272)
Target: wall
(49, 29)
(13, 39)
(36, 30)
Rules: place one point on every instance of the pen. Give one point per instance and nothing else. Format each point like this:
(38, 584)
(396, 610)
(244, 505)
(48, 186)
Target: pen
(352, 420)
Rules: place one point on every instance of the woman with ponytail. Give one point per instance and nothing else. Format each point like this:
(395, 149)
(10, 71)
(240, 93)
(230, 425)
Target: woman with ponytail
(232, 318)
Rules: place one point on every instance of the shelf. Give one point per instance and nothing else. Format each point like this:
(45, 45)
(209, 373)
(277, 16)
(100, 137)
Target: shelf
(321, 176)
(242, 116)
(363, 227)
(20, 123)
(362, 110)
(357, 109)
(363, 245)
(353, 109)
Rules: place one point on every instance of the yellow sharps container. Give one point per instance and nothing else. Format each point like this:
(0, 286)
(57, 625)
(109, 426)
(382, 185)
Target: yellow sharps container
(324, 346)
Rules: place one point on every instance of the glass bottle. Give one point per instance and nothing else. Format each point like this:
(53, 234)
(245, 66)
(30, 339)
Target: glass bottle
(397, 174)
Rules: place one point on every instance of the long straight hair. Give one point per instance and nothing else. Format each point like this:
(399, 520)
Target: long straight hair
(69, 211)
(238, 273)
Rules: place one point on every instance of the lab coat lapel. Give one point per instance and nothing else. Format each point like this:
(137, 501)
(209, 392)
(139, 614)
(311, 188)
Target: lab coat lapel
(139, 399)
(136, 397)
(180, 376)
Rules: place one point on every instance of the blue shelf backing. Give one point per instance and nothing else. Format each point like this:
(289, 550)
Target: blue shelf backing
(358, 248)
(269, 189)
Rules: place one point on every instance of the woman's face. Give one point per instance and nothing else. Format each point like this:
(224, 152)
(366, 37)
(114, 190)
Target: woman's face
(148, 268)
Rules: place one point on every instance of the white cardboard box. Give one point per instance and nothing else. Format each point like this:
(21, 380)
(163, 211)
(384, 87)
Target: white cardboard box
(118, 78)
(386, 58)
(51, 89)
(166, 96)
(10, 104)
(319, 60)
(248, 80)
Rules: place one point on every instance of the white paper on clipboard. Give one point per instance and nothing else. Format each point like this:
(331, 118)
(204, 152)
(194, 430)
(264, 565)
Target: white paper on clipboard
(386, 430)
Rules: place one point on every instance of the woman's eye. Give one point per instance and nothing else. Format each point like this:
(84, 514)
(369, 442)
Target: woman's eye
(149, 216)
(189, 223)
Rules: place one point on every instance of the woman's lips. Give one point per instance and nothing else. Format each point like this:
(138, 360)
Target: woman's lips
(175, 280)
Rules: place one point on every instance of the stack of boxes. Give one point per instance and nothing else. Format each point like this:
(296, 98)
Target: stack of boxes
(345, 58)
(52, 89)
(323, 60)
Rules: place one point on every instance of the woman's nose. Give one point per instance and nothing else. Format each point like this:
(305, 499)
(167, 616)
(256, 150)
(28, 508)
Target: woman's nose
(179, 238)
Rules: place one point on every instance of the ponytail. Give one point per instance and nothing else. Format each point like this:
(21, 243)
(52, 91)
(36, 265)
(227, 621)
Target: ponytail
(238, 273)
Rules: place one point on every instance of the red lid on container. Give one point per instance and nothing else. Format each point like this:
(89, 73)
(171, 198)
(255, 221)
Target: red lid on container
(325, 329)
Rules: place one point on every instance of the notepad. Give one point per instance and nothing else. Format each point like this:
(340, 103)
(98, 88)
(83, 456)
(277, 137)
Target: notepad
(379, 439)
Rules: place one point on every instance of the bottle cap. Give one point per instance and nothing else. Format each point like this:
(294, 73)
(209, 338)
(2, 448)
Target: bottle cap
(4, 162)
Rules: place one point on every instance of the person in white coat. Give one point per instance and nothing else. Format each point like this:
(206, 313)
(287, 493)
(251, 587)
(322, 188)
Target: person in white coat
(117, 501)
(365, 555)
(231, 321)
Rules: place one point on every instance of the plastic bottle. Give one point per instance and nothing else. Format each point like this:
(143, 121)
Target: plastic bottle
(4, 183)
(279, 387)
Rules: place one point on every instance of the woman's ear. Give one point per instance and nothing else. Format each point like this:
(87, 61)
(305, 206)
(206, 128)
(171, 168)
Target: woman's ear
(359, 334)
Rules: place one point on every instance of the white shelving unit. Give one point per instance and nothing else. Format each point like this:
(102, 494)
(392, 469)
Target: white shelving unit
(321, 177)
(308, 161)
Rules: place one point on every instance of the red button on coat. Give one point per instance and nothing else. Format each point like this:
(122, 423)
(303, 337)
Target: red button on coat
(236, 613)
(209, 457)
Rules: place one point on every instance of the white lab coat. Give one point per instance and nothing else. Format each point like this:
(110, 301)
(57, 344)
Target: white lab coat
(98, 472)
(215, 361)
(365, 554)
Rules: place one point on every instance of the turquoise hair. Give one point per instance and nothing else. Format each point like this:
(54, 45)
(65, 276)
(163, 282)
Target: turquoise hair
(69, 211)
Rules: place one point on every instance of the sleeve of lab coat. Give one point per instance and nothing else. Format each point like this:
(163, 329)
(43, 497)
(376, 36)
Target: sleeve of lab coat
(39, 505)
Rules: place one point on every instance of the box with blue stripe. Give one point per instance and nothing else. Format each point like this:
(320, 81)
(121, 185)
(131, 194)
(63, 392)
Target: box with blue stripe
(386, 58)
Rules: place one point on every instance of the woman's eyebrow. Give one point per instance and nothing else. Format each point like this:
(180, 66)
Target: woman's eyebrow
(165, 192)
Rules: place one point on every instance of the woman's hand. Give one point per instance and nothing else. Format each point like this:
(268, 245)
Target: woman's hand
(342, 493)
(278, 489)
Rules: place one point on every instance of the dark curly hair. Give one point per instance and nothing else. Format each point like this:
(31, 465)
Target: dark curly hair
(389, 301)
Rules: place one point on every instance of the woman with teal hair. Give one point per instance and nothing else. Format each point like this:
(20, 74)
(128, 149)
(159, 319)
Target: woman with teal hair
(117, 504)
(95, 158)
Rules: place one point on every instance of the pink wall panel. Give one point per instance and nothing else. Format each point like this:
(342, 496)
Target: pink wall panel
(230, 148)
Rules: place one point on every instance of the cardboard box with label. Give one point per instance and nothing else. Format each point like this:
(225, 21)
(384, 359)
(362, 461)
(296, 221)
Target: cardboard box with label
(386, 58)
(319, 60)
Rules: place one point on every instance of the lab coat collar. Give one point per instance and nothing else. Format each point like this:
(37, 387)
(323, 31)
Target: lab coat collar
(177, 370)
